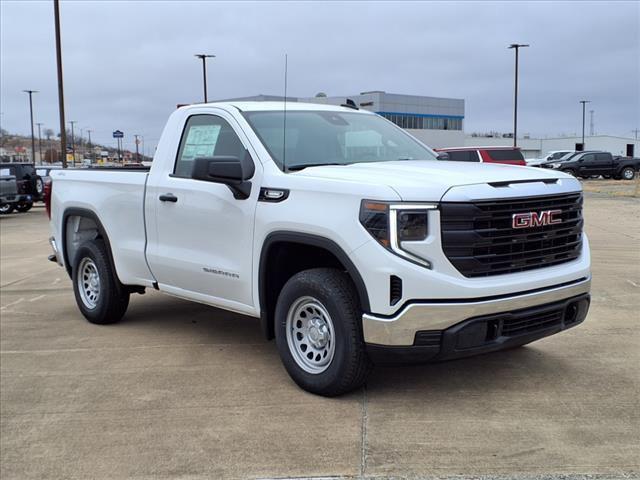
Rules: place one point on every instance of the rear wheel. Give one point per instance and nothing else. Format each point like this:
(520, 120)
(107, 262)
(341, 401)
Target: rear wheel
(628, 173)
(101, 297)
(24, 206)
(319, 332)
(6, 209)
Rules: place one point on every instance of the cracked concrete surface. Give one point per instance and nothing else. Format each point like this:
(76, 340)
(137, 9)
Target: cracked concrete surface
(180, 390)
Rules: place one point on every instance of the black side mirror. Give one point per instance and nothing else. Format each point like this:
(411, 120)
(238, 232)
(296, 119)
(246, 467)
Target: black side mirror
(442, 156)
(227, 170)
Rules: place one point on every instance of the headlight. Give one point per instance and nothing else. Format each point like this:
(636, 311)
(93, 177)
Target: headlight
(554, 165)
(393, 223)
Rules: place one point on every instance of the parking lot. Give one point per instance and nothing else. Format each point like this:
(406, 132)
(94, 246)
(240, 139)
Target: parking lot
(180, 390)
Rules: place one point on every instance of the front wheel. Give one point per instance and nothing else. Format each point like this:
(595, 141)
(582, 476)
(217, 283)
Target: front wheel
(99, 294)
(6, 209)
(23, 207)
(628, 173)
(319, 332)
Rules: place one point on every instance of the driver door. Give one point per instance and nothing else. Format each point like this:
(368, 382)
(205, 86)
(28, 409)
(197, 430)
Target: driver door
(202, 245)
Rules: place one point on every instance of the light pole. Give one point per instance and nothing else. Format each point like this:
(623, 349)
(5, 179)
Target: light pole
(63, 131)
(203, 57)
(33, 140)
(584, 104)
(39, 141)
(90, 149)
(137, 152)
(516, 47)
(73, 142)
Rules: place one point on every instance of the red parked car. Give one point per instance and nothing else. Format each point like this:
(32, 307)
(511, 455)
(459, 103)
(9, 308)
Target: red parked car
(508, 155)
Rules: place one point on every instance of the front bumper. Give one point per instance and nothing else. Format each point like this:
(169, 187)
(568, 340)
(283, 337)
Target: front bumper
(15, 198)
(406, 329)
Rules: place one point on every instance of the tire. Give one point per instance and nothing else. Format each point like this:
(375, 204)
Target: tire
(628, 173)
(23, 207)
(607, 177)
(6, 209)
(99, 294)
(39, 186)
(339, 362)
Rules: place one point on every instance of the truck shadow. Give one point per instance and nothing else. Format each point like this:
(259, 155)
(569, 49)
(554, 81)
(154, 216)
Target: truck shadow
(525, 367)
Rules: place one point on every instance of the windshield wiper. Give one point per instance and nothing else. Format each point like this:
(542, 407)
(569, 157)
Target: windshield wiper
(301, 166)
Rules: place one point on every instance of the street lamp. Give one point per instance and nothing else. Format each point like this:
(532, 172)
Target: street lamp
(516, 47)
(73, 141)
(90, 148)
(33, 139)
(39, 141)
(203, 57)
(584, 104)
(63, 131)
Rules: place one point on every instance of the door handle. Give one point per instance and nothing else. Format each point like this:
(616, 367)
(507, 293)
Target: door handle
(168, 197)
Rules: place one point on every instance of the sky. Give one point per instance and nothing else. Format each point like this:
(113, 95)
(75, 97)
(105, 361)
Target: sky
(127, 64)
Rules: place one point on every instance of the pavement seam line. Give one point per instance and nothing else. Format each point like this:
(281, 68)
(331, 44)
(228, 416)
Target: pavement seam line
(363, 439)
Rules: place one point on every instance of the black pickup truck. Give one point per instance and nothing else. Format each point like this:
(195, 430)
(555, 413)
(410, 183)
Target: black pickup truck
(593, 163)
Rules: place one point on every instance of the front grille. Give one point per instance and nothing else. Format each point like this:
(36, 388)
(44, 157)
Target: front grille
(479, 240)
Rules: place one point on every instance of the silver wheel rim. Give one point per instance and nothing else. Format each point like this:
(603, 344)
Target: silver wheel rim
(5, 207)
(310, 335)
(89, 283)
(628, 174)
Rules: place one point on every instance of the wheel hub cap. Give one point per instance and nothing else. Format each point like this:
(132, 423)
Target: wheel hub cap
(310, 335)
(88, 283)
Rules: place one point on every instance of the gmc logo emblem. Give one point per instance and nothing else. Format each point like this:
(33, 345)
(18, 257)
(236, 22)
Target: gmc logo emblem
(536, 219)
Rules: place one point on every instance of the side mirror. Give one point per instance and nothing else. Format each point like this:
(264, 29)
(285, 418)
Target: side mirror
(227, 170)
(442, 156)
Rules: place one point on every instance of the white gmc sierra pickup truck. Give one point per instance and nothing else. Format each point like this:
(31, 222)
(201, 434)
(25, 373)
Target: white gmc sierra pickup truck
(345, 235)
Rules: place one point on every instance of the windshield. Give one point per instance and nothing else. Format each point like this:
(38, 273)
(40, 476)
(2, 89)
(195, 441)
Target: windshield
(337, 138)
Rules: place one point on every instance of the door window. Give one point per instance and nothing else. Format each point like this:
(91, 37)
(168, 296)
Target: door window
(206, 136)
(589, 158)
(602, 157)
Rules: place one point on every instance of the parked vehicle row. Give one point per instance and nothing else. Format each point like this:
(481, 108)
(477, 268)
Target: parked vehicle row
(342, 233)
(584, 164)
(29, 185)
(595, 163)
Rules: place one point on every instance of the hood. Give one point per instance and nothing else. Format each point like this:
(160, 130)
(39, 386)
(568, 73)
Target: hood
(429, 180)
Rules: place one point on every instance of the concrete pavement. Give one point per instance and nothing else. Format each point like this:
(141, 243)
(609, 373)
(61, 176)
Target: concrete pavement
(180, 390)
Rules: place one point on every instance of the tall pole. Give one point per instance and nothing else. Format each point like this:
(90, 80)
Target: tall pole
(90, 149)
(33, 139)
(203, 57)
(137, 153)
(73, 142)
(584, 104)
(63, 132)
(39, 142)
(516, 47)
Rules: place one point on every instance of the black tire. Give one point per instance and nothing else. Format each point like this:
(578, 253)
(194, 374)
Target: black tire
(627, 173)
(23, 207)
(335, 292)
(6, 209)
(112, 298)
(606, 177)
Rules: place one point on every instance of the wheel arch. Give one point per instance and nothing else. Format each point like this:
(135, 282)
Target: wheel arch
(101, 233)
(269, 284)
